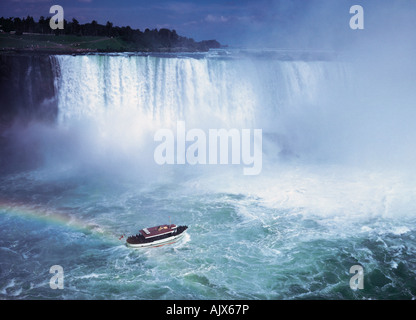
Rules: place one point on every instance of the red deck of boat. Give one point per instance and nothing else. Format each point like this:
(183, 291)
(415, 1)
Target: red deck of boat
(158, 230)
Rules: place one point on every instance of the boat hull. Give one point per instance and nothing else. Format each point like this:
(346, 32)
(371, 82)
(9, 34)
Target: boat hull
(157, 243)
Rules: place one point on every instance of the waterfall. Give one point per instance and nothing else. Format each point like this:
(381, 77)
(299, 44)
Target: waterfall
(127, 95)
(153, 88)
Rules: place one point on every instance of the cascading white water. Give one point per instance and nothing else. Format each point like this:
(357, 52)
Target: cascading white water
(156, 89)
(319, 206)
(126, 96)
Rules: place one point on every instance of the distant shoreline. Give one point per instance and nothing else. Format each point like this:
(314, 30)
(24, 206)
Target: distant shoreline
(12, 51)
(26, 35)
(69, 44)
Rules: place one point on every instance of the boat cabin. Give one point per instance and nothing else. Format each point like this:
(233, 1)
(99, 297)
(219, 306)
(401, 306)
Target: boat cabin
(148, 233)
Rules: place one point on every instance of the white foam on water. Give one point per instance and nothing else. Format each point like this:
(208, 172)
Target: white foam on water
(400, 230)
(328, 174)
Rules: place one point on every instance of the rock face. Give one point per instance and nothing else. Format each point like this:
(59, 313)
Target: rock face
(27, 90)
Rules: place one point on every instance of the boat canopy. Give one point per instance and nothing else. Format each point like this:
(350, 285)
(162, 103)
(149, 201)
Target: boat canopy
(157, 231)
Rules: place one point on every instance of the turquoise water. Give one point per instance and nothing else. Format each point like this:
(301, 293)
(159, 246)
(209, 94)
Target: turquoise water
(336, 187)
(237, 246)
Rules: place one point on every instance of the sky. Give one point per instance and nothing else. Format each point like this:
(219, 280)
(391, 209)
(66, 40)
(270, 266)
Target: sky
(317, 24)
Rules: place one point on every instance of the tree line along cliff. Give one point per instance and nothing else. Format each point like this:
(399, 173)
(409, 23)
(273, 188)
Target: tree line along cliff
(129, 39)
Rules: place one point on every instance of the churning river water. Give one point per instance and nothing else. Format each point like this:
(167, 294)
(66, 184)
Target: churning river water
(336, 188)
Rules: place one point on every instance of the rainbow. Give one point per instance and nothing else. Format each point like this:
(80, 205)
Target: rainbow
(55, 217)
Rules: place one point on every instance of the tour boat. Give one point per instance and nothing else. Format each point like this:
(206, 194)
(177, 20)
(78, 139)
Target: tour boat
(156, 236)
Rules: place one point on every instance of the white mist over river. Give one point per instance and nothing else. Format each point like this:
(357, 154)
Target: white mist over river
(336, 187)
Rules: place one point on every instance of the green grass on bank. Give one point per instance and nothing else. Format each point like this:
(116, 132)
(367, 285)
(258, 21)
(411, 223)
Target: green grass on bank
(60, 43)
